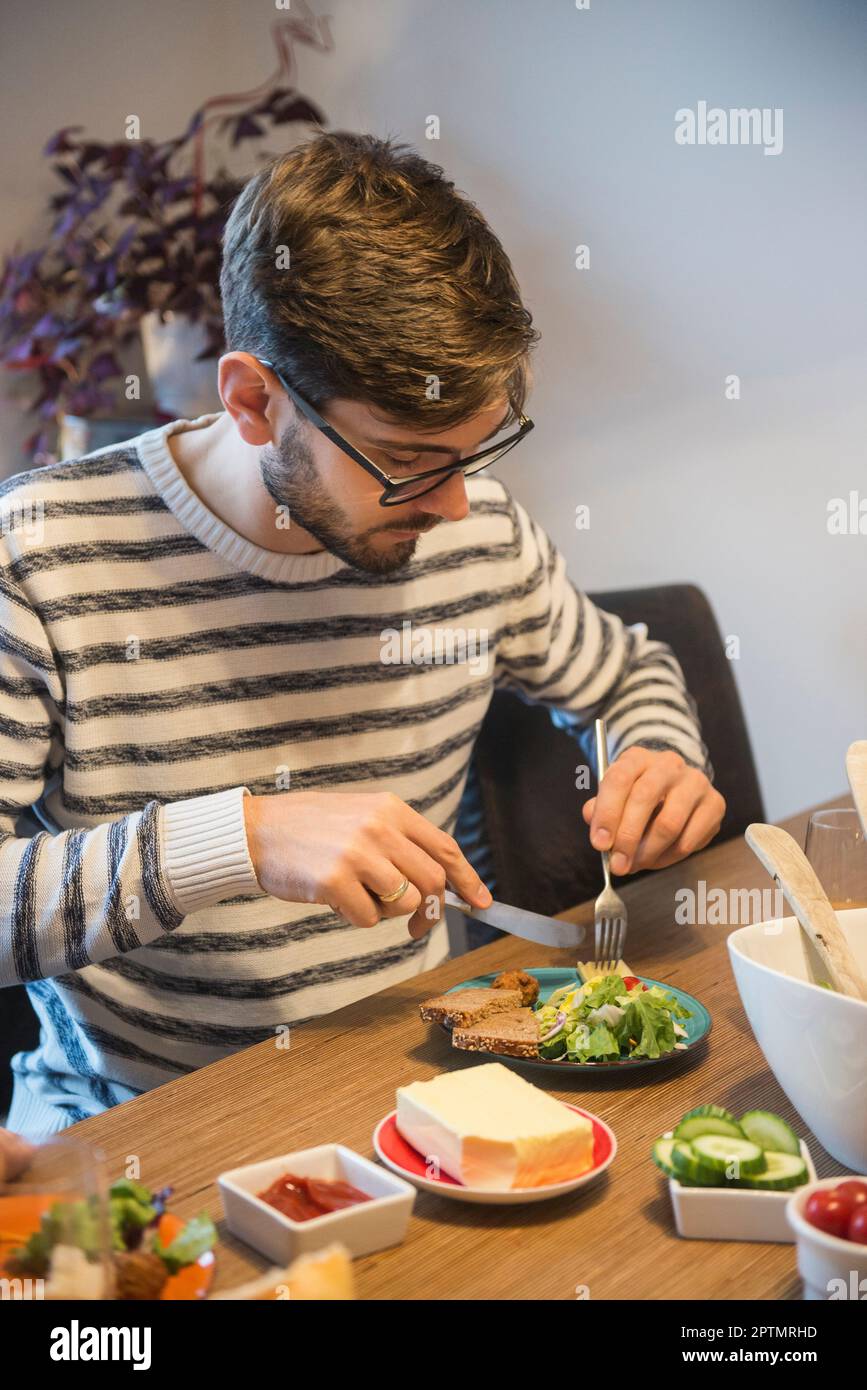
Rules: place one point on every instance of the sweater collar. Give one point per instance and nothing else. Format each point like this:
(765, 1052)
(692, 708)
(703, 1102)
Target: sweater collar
(159, 464)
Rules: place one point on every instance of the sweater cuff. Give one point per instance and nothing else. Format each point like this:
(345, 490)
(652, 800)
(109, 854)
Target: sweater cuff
(205, 853)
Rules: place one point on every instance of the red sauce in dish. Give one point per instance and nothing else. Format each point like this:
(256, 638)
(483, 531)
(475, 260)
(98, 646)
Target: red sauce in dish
(303, 1198)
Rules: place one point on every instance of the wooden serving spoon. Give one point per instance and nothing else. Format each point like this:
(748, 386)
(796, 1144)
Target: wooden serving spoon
(856, 768)
(789, 866)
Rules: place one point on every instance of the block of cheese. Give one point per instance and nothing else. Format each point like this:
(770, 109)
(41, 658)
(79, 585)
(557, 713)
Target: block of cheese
(488, 1128)
(589, 970)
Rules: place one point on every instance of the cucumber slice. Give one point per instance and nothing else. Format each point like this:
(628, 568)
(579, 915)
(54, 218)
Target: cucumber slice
(784, 1170)
(721, 1151)
(718, 1110)
(708, 1119)
(662, 1156)
(769, 1131)
(690, 1170)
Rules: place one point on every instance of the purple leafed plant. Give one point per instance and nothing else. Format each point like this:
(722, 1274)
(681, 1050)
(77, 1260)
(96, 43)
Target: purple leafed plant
(136, 226)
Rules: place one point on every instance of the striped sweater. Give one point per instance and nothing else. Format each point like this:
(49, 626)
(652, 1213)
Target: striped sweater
(156, 666)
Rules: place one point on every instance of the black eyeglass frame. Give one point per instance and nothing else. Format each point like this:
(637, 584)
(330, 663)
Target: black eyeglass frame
(389, 484)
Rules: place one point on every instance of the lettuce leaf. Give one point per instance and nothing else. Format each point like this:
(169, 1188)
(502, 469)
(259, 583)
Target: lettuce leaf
(198, 1235)
(597, 1042)
(650, 1022)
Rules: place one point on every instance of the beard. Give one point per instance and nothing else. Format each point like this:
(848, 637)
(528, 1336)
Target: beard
(290, 476)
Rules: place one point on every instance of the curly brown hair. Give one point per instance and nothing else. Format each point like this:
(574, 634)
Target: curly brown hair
(394, 281)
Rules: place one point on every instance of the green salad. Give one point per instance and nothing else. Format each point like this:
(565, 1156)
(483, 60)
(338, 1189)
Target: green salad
(610, 1017)
(133, 1215)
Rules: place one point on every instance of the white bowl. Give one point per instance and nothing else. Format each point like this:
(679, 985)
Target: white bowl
(815, 1041)
(366, 1227)
(830, 1267)
(739, 1213)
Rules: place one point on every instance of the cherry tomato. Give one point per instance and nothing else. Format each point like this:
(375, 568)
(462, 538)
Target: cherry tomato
(853, 1192)
(828, 1213)
(857, 1229)
(631, 981)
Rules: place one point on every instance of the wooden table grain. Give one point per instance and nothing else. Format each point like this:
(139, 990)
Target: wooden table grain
(338, 1076)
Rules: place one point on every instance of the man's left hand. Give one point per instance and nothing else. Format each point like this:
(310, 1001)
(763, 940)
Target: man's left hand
(652, 809)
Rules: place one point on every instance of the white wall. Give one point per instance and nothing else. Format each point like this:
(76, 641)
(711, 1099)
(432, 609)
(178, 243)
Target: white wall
(704, 261)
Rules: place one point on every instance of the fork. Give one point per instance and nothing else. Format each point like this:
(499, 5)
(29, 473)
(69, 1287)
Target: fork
(611, 916)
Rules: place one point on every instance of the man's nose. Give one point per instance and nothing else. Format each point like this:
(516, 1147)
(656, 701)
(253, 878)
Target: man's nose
(448, 501)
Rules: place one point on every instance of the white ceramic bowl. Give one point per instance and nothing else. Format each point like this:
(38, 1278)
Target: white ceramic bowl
(741, 1213)
(815, 1041)
(831, 1268)
(363, 1228)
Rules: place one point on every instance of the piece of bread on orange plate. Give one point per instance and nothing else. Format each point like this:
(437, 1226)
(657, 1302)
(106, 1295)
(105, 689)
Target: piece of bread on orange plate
(323, 1275)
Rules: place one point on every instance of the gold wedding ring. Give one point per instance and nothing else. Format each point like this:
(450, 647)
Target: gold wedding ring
(393, 897)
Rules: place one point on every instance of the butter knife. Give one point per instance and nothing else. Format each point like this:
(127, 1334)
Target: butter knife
(532, 926)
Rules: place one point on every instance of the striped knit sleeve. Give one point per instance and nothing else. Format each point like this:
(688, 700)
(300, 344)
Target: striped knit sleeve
(561, 650)
(81, 896)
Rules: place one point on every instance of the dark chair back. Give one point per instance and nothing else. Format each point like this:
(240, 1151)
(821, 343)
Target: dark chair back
(19, 1031)
(535, 850)
(19, 1026)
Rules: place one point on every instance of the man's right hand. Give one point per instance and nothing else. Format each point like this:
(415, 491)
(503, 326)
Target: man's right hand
(15, 1154)
(344, 848)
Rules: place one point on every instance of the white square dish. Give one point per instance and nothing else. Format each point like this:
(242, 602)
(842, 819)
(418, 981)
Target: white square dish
(363, 1228)
(712, 1213)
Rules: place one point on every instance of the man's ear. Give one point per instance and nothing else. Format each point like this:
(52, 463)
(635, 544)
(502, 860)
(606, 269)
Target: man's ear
(251, 394)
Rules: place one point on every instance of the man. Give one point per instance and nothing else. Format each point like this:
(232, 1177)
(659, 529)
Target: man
(245, 666)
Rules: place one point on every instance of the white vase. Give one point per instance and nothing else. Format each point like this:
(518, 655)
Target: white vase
(182, 387)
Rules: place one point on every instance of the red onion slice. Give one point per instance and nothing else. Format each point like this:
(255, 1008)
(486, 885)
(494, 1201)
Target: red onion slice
(561, 1019)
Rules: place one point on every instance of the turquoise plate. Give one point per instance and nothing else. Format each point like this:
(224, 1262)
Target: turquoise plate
(551, 978)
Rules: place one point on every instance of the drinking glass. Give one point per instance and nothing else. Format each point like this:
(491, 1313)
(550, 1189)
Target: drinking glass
(55, 1231)
(837, 850)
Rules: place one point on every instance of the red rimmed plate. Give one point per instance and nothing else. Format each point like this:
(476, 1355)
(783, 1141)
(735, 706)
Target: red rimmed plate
(393, 1150)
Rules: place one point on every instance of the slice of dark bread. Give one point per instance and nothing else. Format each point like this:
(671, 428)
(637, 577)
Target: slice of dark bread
(513, 1034)
(468, 1006)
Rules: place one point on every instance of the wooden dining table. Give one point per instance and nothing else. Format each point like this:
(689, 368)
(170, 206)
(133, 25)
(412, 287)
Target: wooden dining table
(336, 1079)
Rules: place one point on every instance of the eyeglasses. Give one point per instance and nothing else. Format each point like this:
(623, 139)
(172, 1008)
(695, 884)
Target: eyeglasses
(397, 490)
